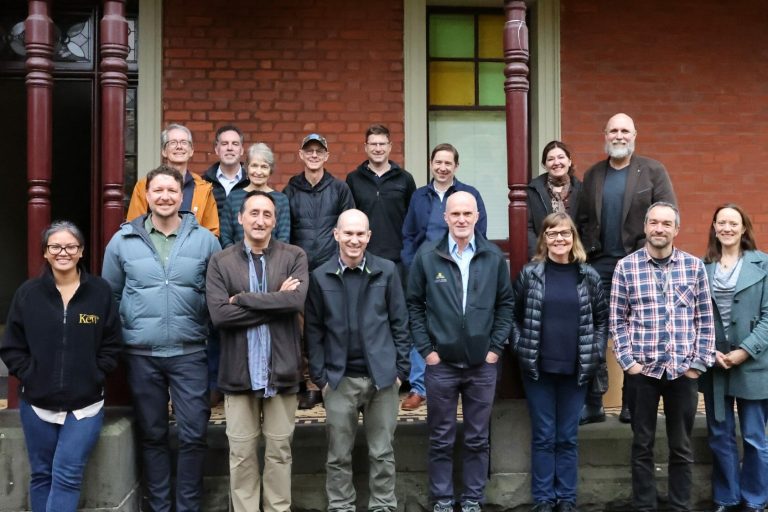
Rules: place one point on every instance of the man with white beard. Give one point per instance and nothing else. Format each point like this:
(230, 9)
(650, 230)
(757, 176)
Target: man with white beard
(614, 198)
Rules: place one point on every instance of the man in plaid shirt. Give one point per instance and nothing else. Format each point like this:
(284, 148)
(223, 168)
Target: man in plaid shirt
(661, 322)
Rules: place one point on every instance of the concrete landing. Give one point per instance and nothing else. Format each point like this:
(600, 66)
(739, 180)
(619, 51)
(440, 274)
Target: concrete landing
(604, 475)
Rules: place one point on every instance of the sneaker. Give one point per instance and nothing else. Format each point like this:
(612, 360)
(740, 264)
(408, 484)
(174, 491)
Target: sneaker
(543, 506)
(442, 505)
(413, 401)
(470, 506)
(566, 506)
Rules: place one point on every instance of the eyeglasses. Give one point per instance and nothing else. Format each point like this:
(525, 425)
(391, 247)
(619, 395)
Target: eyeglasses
(318, 152)
(378, 144)
(552, 235)
(173, 144)
(55, 249)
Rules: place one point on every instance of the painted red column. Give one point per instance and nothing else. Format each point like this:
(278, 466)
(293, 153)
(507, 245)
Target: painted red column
(38, 40)
(113, 81)
(516, 87)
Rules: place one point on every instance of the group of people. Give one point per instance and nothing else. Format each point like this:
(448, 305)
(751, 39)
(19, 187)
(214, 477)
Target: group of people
(219, 287)
(203, 296)
(604, 267)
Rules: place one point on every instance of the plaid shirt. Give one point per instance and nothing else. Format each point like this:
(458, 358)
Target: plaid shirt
(661, 317)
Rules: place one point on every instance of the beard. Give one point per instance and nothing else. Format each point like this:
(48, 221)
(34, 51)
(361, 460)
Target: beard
(620, 151)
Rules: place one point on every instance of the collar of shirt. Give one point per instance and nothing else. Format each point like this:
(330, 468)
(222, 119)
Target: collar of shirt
(453, 247)
(343, 267)
(221, 176)
(150, 227)
(648, 258)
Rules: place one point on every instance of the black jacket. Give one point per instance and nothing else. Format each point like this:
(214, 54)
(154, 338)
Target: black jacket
(385, 201)
(314, 211)
(62, 362)
(228, 276)
(219, 194)
(383, 324)
(593, 320)
(434, 300)
(540, 205)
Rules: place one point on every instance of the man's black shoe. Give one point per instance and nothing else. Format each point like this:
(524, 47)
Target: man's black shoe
(310, 398)
(592, 414)
(625, 416)
(727, 508)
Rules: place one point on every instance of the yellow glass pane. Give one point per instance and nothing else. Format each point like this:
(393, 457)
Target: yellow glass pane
(490, 36)
(452, 83)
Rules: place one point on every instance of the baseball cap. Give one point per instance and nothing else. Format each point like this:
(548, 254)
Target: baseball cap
(314, 137)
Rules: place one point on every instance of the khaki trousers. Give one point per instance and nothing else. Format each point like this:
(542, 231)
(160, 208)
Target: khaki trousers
(248, 417)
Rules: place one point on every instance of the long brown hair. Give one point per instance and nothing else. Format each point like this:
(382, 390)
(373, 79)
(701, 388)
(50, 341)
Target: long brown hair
(715, 248)
(577, 254)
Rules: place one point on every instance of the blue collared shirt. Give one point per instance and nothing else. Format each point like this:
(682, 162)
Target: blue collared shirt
(226, 182)
(462, 260)
(259, 339)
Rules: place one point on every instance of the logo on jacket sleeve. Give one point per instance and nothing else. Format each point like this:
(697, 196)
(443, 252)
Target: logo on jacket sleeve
(88, 319)
(440, 278)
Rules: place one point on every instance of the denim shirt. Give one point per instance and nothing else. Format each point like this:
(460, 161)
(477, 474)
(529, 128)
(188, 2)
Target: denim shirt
(259, 339)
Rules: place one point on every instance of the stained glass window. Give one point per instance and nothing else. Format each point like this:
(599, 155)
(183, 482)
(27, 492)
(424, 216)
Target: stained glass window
(466, 66)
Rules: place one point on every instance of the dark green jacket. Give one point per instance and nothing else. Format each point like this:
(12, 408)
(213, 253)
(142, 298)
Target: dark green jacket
(434, 301)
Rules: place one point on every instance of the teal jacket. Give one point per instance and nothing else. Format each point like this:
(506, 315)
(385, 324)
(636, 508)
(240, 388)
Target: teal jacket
(163, 308)
(748, 330)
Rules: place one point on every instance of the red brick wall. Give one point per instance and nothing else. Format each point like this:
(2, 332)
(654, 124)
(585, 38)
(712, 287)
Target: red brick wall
(694, 76)
(280, 70)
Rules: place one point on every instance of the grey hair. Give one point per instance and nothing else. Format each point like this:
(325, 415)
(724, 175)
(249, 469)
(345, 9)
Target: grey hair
(262, 150)
(667, 205)
(173, 126)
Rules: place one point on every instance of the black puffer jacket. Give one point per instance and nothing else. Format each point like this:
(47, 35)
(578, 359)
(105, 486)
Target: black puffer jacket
(314, 212)
(593, 320)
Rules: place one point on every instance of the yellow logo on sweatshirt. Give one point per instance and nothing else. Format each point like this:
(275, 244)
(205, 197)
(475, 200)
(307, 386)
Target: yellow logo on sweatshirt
(440, 278)
(88, 319)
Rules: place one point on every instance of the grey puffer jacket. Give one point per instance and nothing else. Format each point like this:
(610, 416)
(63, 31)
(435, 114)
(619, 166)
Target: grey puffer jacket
(593, 320)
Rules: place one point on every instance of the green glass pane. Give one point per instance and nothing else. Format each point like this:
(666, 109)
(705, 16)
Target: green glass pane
(491, 76)
(490, 35)
(451, 36)
(452, 84)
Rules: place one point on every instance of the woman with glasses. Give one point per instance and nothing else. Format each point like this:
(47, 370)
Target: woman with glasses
(61, 339)
(260, 162)
(738, 279)
(555, 191)
(559, 337)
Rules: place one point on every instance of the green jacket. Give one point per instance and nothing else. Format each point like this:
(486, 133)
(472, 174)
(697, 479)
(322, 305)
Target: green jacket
(748, 330)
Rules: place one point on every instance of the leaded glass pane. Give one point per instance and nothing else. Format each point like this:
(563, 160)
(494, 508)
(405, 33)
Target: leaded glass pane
(132, 54)
(452, 83)
(491, 83)
(490, 30)
(451, 36)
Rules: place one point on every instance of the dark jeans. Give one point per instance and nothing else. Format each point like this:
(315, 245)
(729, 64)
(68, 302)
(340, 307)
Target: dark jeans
(680, 401)
(187, 377)
(604, 265)
(477, 386)
(554, 404)
(57, 457)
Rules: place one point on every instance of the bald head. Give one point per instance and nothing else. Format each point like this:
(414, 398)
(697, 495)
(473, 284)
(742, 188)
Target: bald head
(620, 136)
(352, 234)
(461, 215)
(352, 216)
